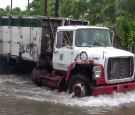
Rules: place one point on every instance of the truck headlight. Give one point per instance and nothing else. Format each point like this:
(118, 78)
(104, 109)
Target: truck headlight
(96, 75)
(97, 68)
(97, 72)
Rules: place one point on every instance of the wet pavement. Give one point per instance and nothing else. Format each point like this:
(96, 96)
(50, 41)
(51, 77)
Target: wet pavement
(19, 96)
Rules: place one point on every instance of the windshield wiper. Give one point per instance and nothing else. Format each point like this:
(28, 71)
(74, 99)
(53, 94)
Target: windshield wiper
(96, 44)
(107, 45)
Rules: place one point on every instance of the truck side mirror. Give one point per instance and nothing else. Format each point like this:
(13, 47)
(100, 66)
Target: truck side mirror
(59, 41)
(112, 36)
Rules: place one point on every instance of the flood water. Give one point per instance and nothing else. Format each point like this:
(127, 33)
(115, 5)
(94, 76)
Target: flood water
(19, 96)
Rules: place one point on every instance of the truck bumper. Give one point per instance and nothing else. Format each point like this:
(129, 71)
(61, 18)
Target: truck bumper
(110, 89)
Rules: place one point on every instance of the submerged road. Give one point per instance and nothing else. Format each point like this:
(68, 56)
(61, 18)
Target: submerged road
(19, 96)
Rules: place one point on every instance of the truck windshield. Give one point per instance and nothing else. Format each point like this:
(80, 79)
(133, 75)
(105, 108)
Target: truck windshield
(92, 37)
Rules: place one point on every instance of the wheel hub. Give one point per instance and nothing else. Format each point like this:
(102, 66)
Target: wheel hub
(79, 90)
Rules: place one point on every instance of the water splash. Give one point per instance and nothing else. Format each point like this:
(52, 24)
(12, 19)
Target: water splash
(23, 88)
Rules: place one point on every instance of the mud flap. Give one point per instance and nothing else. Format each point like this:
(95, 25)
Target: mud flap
(4, 66)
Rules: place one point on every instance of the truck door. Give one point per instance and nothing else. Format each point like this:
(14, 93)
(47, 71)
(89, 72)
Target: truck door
(63, 52)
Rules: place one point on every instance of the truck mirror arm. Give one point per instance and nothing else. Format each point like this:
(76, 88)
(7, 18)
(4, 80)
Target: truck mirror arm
(112, 36)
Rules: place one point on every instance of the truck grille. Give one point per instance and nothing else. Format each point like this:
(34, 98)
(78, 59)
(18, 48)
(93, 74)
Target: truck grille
(120, 68)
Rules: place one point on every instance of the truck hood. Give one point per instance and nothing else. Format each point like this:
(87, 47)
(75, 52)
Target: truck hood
(98, 54)
(109, 52)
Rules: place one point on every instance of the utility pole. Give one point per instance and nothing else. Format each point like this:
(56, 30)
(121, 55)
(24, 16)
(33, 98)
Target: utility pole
(28, 3)
(45, 7)
(11, 4)
(56, 8)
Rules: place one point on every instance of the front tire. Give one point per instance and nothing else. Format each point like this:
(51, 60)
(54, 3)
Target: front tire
(79, 84)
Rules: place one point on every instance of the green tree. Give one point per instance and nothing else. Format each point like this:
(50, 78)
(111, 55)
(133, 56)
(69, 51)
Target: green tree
(73, 8)
(118, 15)
(15, 11)
(37, 7)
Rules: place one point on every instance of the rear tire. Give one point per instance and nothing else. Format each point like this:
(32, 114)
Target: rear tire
(79, 84)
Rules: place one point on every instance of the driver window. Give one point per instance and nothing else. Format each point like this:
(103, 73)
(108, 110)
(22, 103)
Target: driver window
(64, 38)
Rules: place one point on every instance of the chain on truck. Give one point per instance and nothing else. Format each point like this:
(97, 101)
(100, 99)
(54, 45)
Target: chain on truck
(65, 54)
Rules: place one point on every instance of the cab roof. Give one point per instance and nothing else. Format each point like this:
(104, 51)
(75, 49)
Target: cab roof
(80, 27)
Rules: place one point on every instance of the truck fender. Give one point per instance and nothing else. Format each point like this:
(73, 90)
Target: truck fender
(72, 65)
(99, 81)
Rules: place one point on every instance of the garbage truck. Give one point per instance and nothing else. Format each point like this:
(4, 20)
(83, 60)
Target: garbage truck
(65, 54)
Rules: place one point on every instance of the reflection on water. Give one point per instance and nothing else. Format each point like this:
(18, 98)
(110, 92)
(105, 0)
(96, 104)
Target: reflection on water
(18, 95)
